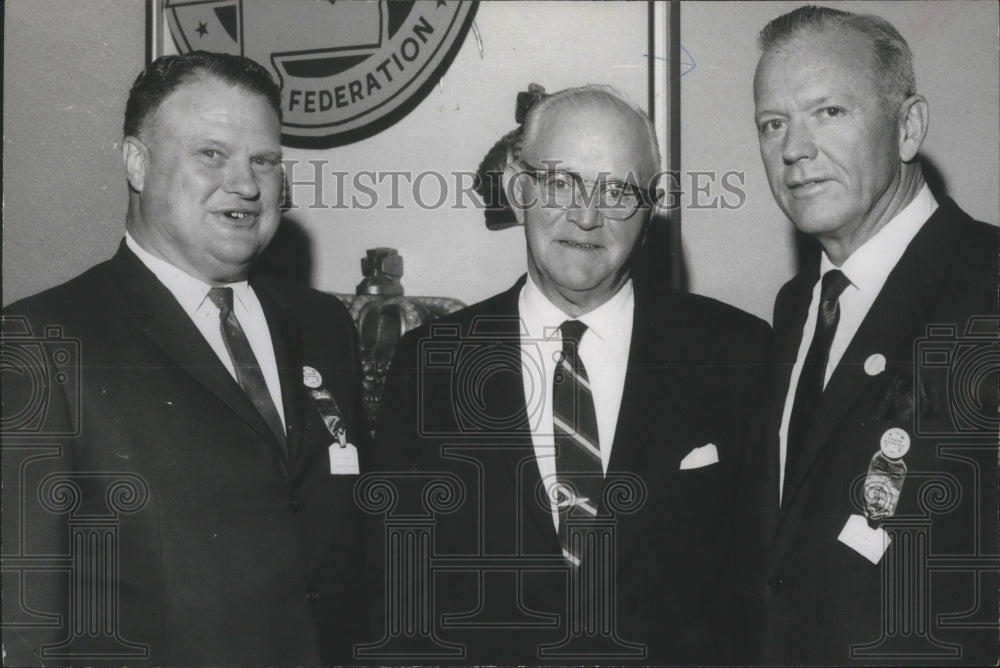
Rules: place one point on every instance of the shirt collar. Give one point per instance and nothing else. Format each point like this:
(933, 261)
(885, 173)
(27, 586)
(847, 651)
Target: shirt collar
(542, 317)
(870, 265)
(189, 291)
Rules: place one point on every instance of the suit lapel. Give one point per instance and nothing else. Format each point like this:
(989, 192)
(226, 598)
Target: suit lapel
(287, 342)
(626, 446)
(506, 398)
(652, 346)
(512, 395)
(890, 323)
(661, 341)
(789, 321)
(164, 322)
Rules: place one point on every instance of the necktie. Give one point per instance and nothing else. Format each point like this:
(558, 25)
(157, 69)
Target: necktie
(578, 453)
(248, 373)
(810, 387)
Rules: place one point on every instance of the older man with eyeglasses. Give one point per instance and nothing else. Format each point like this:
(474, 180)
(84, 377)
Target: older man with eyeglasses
(597, 424)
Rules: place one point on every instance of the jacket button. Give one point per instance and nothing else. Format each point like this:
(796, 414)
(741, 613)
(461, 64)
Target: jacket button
(296, 503)
(312, 595)
(775, 584)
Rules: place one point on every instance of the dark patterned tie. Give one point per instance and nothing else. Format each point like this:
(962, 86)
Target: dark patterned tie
(578, 452)
(810, 387)
(248, 372)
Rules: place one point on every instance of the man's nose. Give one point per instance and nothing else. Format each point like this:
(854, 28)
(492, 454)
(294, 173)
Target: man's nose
(586, 215)
(799, 143)
(241, 180)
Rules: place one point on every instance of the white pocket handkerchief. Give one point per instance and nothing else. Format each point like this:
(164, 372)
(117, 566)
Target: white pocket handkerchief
(706, 455)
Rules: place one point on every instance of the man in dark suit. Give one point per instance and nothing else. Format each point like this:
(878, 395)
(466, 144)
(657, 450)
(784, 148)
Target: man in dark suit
(179, 434)
(589, 427)
(880, 526)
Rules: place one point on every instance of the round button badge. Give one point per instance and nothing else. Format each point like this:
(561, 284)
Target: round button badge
(311, 377)
(895, 443)
(875, 364)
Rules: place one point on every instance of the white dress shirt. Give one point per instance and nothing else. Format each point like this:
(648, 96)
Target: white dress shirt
(192, 294)
(867, 269)
(603, 350)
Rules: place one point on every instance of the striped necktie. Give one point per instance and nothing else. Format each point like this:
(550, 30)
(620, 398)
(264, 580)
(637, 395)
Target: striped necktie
(248, 372)
(578, 452)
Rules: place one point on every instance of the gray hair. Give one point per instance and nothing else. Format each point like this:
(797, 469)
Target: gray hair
(593, 96)
(893, 67)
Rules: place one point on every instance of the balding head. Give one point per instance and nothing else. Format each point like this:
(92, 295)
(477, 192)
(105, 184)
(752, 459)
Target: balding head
(626, 122)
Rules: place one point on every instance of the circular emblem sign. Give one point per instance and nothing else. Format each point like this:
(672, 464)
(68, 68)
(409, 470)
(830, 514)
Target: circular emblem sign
(347, 69)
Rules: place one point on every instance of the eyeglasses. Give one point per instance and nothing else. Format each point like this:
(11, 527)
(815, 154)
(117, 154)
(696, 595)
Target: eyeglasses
(567, 190)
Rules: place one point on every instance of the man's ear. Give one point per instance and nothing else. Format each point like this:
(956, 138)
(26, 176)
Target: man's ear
(135, 157)
(914, 116)
(513, 188)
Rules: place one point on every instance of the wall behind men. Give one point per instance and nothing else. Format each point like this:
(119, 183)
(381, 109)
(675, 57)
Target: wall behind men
(447, 249)
(744, 255)
(68, 67)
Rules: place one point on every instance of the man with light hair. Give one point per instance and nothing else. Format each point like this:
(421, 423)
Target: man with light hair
(180, 502)
(597, 422)
(879, 468)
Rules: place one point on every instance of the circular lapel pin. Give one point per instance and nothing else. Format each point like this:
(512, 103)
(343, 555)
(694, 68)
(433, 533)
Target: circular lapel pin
(875, 364)
(311, 377)
(895, 443)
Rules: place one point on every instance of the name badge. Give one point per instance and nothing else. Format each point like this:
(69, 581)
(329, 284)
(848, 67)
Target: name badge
(869, 543)
(343, 459)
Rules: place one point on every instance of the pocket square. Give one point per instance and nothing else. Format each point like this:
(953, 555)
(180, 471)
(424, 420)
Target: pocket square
(706, 455)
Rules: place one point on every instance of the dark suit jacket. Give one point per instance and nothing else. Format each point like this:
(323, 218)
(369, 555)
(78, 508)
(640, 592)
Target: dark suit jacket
(455, 404)
(228, 551)
(820, 597)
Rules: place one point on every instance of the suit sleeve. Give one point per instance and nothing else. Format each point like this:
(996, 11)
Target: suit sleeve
(747, 532)
(393, 451)
(397, 432)
(357, 407)
(40, 386)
